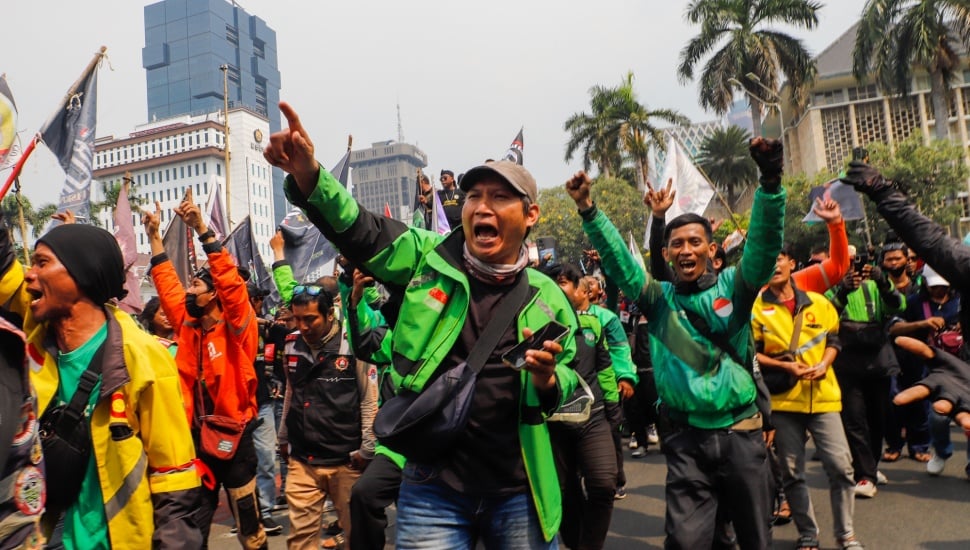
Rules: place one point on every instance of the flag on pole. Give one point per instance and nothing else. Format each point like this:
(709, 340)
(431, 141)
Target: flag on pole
(8, 120)
(845, 195)
(637, 255)
(216, 212)
(124, 231)
(242, 247)
(180, 249)
(440, 220)
(694, 192)
(515, 150)
(69, 134)
(733, 240)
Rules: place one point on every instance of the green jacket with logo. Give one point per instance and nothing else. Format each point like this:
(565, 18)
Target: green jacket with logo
(701, 385)
(427, 267)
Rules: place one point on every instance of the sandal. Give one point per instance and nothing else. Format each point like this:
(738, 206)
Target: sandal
(891, 455)
(782, 515)
(921, 457)
(807, 543)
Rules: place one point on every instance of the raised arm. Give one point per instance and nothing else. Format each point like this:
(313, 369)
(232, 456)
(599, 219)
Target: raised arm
(659, 202)
(823, 276)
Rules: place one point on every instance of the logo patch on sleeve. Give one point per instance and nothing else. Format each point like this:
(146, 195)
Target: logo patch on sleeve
(29, 491)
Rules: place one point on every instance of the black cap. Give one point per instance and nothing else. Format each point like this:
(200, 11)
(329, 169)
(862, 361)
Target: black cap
(92, 257)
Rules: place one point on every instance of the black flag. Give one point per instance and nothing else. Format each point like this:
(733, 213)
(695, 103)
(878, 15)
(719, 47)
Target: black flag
(69, 134)
(242, 247)
(515, 150)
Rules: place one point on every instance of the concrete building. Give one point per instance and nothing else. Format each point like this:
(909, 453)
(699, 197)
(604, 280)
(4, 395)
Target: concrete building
(166, 157)
(385, 173)
(186, 43)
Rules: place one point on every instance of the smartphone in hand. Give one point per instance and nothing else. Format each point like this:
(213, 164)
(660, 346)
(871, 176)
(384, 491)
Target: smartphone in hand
(515, 357)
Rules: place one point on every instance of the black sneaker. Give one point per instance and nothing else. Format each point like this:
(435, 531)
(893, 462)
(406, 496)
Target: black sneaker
(270, 527)
(334, 528)
(620, 493)
(234, 529)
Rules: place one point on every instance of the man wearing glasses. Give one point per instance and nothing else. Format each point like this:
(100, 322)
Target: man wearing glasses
(326, 434)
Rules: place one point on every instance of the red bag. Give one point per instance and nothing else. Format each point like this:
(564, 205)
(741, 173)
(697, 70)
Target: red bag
(220, 436)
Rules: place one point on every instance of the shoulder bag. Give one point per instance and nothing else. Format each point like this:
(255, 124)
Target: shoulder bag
(779, 380)
(424, 425)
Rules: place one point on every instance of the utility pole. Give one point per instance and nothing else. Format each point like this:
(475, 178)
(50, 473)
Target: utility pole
(225, 98)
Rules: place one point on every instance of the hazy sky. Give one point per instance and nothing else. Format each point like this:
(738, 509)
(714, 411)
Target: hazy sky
(467, 74)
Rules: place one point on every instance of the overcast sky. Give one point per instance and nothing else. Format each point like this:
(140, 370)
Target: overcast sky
(467, 75)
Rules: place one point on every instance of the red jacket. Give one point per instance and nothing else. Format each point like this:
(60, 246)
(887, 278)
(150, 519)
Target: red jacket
(227, 350)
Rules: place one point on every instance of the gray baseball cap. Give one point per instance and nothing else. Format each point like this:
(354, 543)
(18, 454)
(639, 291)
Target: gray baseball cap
(515, 174)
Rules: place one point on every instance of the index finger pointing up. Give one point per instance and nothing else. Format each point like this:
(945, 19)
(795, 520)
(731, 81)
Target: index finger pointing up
(292, 119)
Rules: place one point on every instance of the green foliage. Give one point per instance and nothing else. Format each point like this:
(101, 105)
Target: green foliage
(736, 39)
(725, 158)
(35, 219)
(896, 36)
(111, 190)
(618, 128)
(928, 174)
(558, 218)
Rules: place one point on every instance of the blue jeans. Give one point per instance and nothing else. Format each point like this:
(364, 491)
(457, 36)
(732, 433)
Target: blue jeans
(264, 438)
(940, 436)
(431, 515)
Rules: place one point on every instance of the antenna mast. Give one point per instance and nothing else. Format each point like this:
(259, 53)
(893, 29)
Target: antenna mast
(400, 127)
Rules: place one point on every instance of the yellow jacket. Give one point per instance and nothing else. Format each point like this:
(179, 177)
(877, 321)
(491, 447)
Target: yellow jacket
(140, 436)
(772, 325)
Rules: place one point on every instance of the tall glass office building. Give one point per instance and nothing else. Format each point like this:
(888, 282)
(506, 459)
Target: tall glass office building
(186, 41)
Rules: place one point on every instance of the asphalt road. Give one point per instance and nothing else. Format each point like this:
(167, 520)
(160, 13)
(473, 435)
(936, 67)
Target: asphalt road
(914, 511)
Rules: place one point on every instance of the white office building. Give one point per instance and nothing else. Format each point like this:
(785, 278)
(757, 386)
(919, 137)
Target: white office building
(167, 157)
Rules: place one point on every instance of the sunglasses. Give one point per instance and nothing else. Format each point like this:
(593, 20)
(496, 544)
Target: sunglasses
(310, 290)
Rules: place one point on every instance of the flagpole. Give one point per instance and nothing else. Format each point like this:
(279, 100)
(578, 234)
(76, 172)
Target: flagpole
(33, 143)
(225, 99)
(23, 222)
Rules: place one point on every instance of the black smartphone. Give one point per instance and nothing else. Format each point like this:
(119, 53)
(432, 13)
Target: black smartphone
(860, 261)
(515, 357)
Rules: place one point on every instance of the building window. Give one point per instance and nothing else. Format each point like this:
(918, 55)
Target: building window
(182, 172)
(861, 93)
(203, 167)
(259, 49)
(232, 35)
(218, 169)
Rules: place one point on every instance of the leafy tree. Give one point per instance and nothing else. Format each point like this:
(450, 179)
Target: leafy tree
(618, 124)
(111, 191)
(928, 174)
(591, 132)
(895, 36)
(557, 215)
(736, 35)
(725, 158)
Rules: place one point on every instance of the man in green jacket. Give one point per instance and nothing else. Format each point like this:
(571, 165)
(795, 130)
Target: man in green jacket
(498, 482)
(702, 355)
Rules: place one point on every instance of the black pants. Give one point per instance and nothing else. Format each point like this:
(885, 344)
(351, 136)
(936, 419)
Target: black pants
(641, 409)
(712, 469)
(614, 415)
(372, 493)
(585, 458)
(237, 472)
(914, 418)
(864, 407)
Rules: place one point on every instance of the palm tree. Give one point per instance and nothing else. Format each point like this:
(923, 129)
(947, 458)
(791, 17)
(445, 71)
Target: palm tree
(896, 35)
(111, 192)
(724, 156)
(748, 46)
(590, 132)
(635, 125)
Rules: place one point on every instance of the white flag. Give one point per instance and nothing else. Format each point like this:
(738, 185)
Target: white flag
(637, 255)
(694, 192)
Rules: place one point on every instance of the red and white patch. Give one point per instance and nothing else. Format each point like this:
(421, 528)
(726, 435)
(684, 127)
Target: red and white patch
(341, 363)
(36, 358)
(769, 310)
(810, 317)
(723, 307)
(29, 491)
(439, 295)
(28, 424)
(372, 373)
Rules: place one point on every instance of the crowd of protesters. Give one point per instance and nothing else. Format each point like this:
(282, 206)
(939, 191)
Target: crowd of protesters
(411, 375)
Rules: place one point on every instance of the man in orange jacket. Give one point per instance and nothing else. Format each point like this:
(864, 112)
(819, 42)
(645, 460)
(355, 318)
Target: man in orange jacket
(217, 335)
